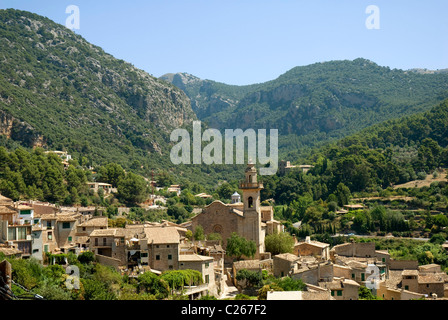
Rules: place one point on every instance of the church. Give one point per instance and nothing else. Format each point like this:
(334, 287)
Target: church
(247, 218)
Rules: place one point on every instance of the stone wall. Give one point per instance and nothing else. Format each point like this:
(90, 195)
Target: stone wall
(403, 264)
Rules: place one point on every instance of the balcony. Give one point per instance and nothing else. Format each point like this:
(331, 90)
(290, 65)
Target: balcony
(251, 185)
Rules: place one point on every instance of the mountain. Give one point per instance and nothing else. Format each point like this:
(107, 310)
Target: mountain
(376, 158)
(314, 104)
(59, 91)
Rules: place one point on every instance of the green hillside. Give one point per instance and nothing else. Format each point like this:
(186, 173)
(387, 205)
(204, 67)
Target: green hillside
(378, 157)
(69, 94)
(314, 104)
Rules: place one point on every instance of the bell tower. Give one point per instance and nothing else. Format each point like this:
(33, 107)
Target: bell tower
(251, 188)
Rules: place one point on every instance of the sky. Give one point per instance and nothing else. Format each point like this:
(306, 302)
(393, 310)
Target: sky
(252, 41)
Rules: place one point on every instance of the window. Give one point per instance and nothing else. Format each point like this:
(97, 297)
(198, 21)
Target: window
(383, 259)
(339, 293)
(25, 212)
(353, 276)
(83, 228)
(144, 254)
(170, 257)
(11, 233)
(65, 225)
(207, 278)
(46, 248)
(50, 236)
(250, 202)
(104, 241)
(167, 245)
(406, 287)
(207, 264)
(48, 224)
(363, 276)
(96, 241)
(70, 239)
(332, 293)
(158, 257)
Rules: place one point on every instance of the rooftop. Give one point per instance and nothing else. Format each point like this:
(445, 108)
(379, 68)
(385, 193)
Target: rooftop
(162, 235)
(194, 257)
(95, 222)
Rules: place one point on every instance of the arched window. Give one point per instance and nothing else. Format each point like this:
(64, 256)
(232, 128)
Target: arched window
(250, 202)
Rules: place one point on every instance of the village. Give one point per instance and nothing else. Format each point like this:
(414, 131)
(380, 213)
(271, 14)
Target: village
(41, 231)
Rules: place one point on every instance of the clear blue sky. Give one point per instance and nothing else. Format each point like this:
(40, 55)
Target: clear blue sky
(250, 41)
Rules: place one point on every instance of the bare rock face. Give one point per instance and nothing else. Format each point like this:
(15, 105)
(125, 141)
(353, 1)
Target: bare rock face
(19, 131)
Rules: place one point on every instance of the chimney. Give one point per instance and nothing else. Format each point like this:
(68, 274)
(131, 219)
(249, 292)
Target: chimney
(307, 239)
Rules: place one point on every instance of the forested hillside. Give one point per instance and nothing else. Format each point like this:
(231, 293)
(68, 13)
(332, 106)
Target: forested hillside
(70, 94)
(376, 158)
(314, 104)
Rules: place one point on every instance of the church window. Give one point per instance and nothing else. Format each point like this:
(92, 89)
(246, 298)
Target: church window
(217, 228)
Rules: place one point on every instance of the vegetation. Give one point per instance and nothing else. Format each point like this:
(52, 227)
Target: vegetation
(238, 246)
(312, 105)
(96, 281)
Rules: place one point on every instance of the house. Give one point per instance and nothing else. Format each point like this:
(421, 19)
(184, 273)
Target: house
(363, 252)
(342, 289)
(88, 226)
(389, 293)
(204, 265)
(285, 264)
(313, 272)
(427, 282)
(285, 166)
(160, 247)
(312, 248)
(106, 187)
(10, 251)
(16, 226)
(174, 188)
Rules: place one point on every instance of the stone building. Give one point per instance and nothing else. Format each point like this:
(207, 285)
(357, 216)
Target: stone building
(342, 289)
(312, 248)
(248, 218)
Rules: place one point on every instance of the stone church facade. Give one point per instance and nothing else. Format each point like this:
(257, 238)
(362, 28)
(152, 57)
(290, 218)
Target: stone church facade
(248, 218)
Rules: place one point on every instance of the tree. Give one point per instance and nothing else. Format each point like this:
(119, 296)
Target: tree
(132, 189)
(151, 283)
(252, 278)
(225, 191)
(279, 243)
(86, 257)
(343, 194)
(366, 294)
(238, 246)
(111, 173)
(199, 233)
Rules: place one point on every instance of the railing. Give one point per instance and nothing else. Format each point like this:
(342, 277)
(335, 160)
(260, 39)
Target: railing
(251, 185)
